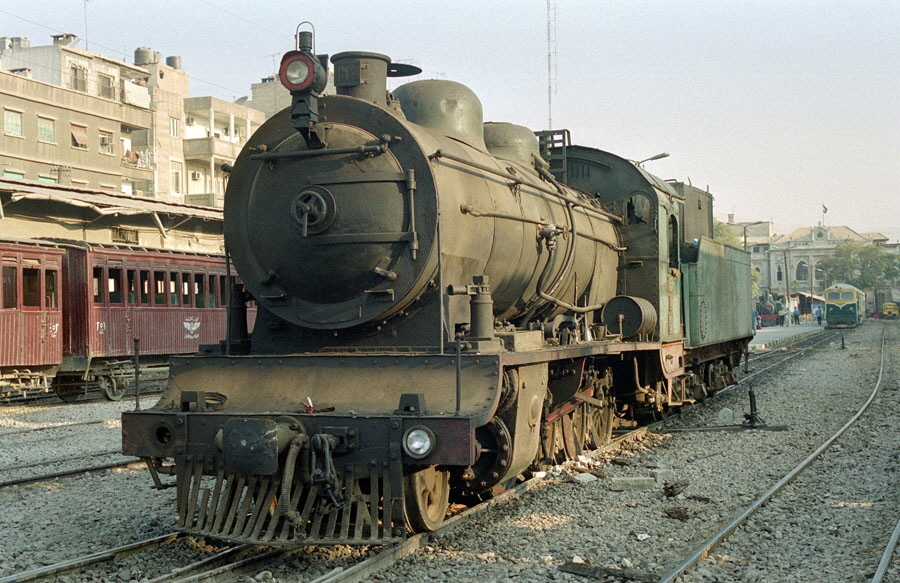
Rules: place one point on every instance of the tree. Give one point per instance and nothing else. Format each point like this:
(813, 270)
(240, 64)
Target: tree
(723, 233)
(862, 266)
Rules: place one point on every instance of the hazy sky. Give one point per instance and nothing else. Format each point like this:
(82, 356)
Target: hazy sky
(779, 107)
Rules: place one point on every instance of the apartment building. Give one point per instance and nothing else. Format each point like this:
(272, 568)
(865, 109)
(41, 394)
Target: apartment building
(77, 118)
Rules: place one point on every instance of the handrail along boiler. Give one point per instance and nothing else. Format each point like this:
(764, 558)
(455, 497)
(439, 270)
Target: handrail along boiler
(441, 309)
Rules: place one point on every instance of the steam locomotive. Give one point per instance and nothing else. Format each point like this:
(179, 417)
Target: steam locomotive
(441, 308)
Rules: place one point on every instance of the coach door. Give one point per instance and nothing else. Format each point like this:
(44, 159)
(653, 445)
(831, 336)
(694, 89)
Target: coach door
(109, 328)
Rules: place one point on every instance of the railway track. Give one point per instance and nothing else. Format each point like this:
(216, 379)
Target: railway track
(751, 512)
(208, 566)
(376, 560)
(87, 393)
(231, 563)
(97, 467)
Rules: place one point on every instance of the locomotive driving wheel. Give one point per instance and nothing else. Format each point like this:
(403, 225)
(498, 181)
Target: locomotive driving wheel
(600, 422)
(427, 497)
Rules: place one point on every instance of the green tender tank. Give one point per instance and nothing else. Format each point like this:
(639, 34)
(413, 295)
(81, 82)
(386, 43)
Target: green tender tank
(717, 304)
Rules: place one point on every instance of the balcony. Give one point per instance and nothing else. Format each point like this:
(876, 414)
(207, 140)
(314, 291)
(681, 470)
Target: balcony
(206, 148)
(142, 158)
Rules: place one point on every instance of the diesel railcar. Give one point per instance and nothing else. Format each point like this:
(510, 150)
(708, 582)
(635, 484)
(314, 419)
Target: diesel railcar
(71, 311)
(845, 306)
(441, 308)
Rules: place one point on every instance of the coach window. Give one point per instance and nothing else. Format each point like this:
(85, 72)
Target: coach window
(213, 288)
(186, 289)
(114, 285)
(131, 286)
(223, 290)
(159, 280)
(145, 287)
(31, 288)
(98, 285)
(173, 288)
(51, 290)
(9, 287)
(199, 292)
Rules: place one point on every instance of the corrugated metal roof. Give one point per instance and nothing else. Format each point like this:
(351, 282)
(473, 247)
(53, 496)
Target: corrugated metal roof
(103, 203)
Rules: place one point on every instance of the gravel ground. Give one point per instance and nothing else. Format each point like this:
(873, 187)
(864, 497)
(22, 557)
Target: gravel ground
(837, 537)
(719, 473)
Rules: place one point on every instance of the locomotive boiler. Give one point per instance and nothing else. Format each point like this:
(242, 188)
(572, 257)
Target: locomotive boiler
(441, 308)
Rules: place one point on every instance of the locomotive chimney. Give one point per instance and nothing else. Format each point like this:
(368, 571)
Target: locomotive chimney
(362, 75)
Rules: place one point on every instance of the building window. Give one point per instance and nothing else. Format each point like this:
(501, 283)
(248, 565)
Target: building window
(79, 137)
(106, 143)
(48, 179)
(107, 86)
(12, 123)
(174, 127)
(176, 170)
(46, 130)
(123, 235)
(13, 174)
(78, 78)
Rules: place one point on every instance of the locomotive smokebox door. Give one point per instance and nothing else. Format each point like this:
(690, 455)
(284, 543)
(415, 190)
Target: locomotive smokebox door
(251, 446)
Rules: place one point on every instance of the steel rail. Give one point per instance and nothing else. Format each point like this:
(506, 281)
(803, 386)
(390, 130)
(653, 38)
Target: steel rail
(222, 572)
(92, 559)
(393, 553)
(52, 427)
(703, 550)
(62, 474)
(61, 460)
(887, 556)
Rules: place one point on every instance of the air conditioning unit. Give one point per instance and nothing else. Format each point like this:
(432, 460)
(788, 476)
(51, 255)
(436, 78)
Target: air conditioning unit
(189, 121)
(195, 175)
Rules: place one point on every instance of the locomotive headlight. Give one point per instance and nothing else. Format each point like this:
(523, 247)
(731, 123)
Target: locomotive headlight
(418, 442)
(298, 71)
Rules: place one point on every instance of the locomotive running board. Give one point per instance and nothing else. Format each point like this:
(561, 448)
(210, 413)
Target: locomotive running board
(244, 509)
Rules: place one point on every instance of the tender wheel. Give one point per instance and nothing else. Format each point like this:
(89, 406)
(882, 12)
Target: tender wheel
(427, 495)
(68, 392)
(112, 388)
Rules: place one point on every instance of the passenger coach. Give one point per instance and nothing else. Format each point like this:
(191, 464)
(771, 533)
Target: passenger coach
(171, 301)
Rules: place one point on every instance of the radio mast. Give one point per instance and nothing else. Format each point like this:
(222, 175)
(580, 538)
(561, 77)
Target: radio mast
(551, 60)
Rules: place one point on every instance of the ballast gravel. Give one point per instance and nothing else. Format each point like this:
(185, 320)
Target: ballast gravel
(639, 510)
